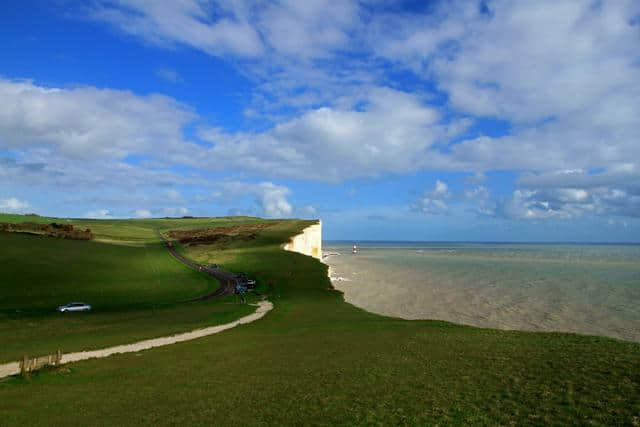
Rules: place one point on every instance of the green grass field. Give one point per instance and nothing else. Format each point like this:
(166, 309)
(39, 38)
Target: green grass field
(315, 360)
(134, 291)
(132, 232)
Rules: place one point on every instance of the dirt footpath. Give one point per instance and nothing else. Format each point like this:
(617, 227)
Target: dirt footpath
(263, 307)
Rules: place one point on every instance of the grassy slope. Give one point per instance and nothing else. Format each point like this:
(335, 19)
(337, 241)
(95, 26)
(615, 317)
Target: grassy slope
(318, 360)
(133, 289)
(41, 272)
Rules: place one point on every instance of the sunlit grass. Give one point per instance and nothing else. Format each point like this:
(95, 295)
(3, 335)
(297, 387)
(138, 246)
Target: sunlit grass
(135, 293)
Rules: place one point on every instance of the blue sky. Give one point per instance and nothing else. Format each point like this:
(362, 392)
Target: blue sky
(457, 120)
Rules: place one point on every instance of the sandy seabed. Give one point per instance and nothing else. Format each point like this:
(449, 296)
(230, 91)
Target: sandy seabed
(491, 296)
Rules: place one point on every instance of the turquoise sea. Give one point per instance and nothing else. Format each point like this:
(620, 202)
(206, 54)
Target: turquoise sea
(583, 288)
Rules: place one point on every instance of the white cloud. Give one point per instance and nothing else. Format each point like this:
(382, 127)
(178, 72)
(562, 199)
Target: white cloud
(242, 28)
(174, 195)
(615, 191)
(565, 73)
(175, 211)
(274, 199)
(527, 204)
(477, 178)
(286, 47)
(562, 74)
(440, 190)
(99, 214)
(568, 203)
(240, 212)
(169, 75)
(617, 222)
(562, 195)
(434, 202)
(271, 198)
(142, 213)
(89, 123)
(522, 60)
(13, 204)
(479, 199)
(188, 22)
(392, 132)
(477, 193)
(389, 131)
(308, 28)
(625, 175)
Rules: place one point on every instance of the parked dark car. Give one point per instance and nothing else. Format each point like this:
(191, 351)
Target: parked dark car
(243, 279)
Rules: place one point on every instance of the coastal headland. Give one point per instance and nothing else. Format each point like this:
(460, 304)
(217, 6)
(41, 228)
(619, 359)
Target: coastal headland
(313, 359)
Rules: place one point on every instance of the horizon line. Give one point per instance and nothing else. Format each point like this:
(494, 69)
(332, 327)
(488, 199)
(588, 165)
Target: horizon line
(523, 242)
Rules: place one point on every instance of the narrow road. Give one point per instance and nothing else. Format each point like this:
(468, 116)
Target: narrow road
(227, 280)
(264, 306)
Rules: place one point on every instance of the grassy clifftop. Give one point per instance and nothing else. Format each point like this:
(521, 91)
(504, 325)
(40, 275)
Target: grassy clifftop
(133, 284)
(316, 360)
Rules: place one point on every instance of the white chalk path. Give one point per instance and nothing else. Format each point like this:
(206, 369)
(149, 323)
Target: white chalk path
(13, 368)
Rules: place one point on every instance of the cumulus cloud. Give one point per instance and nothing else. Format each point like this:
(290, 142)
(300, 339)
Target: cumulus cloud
(477, 193)
(175, 211)
(240, 212)
(568, 84)
(12, 205)
(564, 72)
(285, 47)
(521, 60)
(308, 28)
(576, 192)
(242, 28)
(99, 214)
(393, 131)
(271, 198)
(568, 203)
(434, 202)
(142, 213)
(187, 22)
(88, 123)
(480, 201)
(527, 204)
(389, 131)
(626, 175)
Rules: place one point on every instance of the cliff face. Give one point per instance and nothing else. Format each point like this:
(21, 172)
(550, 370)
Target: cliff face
(309, 242)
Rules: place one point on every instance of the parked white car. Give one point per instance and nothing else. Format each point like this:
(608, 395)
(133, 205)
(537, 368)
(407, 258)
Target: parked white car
(74, 306)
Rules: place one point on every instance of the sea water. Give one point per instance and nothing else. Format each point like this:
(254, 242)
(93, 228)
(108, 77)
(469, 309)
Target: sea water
(588, 289)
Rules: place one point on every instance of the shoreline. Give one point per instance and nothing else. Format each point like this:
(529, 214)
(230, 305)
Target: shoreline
(476, 307)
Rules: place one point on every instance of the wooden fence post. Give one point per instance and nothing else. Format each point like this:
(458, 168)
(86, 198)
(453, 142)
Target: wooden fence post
(58, 357)
(23, 365)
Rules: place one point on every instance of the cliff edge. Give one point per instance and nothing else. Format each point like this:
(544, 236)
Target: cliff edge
(309, 242)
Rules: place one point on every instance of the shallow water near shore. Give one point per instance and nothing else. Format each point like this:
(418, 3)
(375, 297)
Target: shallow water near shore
(588, 289)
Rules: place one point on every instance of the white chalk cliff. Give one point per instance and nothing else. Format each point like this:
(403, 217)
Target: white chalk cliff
(309, 242)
